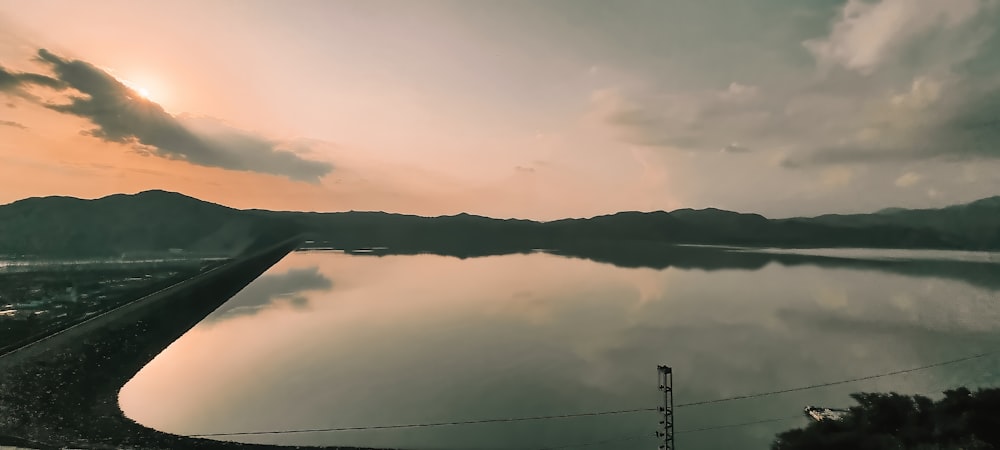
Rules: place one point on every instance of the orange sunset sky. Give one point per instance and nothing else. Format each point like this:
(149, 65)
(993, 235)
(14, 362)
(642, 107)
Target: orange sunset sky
(533, 109)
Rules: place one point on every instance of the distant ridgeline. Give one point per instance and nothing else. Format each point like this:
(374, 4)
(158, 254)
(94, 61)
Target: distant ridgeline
(159, 221)
(151, 222)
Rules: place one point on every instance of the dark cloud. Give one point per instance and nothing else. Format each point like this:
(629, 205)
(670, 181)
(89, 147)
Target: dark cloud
(975, 129)
(714, 120)
(923, 92)
(15, 82)
(967, 127)
(123, 116)
(844, 154)
(8, 123)
(9, 81)
(645, 128)
(823, 123)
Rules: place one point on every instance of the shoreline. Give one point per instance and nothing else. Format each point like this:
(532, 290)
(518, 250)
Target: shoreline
(63, 390)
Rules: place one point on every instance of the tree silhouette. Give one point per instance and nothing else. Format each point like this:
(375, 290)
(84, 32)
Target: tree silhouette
(961, 420)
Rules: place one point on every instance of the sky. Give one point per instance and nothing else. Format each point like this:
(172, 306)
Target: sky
(532, 109)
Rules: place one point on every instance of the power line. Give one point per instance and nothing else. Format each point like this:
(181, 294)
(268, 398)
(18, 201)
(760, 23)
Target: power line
(622, 438)
(694, 430)
(621, 411)
(437, 424)
(593, 443)
(978, 382)
(834, 383)
(737, 425)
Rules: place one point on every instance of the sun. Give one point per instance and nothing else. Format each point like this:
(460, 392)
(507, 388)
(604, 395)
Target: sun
(137, 89)
(145, 89)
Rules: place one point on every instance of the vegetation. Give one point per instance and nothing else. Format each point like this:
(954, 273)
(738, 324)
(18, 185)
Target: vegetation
(961, 420)
(158, 221)
(140, 225)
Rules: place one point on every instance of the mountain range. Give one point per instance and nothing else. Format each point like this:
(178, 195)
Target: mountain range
(160, 221)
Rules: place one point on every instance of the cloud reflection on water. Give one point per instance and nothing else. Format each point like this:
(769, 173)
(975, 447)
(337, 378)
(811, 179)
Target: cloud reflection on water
(403, 339)
(274, 288)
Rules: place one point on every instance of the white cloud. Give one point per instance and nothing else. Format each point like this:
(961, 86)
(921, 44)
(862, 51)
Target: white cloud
(866, 34)
(739, 92)
(908, 179)
(895, 83)
(891, 87)
(735, 147)
(923, 93)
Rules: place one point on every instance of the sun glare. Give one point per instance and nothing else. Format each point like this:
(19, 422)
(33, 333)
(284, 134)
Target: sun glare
(138, 89)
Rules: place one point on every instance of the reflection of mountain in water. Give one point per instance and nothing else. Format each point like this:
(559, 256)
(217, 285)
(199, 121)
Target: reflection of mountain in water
(981, 274)
(164, 221)
(661, 256)
(523, 335)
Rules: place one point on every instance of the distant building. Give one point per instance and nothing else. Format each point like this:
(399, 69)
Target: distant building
(72, 294)
(820, 414)
(33, 304)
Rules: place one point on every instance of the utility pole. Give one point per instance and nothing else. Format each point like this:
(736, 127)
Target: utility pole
(666, 379)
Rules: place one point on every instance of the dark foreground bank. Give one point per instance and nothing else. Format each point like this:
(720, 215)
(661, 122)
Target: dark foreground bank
(963, 419)
(63, 391)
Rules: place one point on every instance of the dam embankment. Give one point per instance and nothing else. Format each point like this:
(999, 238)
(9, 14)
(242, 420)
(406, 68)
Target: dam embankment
(63, 390)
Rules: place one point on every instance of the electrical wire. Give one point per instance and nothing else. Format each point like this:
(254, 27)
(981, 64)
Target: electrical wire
(634, 437)
(622, 438)
(604, 441)
(834, 383)
(620, 411)
(737, 425)
(435, 424)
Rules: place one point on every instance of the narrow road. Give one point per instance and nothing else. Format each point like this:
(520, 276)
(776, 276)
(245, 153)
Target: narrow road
(63, 389)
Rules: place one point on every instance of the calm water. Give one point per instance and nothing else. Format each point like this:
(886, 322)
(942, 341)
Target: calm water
(326, 339)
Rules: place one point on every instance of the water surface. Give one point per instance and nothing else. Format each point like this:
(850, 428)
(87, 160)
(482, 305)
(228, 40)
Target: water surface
(327, 339)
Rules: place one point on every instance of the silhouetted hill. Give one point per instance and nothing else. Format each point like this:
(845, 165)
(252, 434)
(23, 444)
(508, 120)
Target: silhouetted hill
(709, 227)
(717, 227)
(155, 221)
(151, 221)
(977, 223)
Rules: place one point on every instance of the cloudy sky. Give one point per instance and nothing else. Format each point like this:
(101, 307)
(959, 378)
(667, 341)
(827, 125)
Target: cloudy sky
(534, 109)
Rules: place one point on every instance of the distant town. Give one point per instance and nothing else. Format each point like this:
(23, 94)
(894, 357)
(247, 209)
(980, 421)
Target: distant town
(40, 297)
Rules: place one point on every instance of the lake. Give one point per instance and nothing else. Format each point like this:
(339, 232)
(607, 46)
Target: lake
(327, 339)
